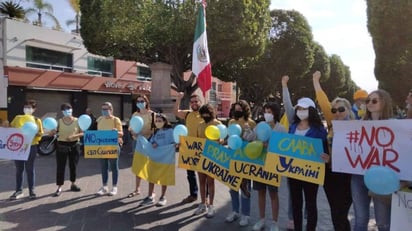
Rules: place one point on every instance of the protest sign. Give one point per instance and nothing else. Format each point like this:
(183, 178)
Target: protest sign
(13, 144)
(101, 144)
(296, 157)
(401, 211)
(358, 145)
(190, 151)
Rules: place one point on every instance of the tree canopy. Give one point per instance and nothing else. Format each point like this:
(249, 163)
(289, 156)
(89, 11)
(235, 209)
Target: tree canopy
(12, 9)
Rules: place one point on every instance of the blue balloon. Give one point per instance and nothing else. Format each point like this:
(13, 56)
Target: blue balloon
(234, 129)
(234, 142)
(179, 130)
(29, 129)
(263, 131)
(136, 124)
(223, 131)
(84, 122)
(50, 123)
(381, 180)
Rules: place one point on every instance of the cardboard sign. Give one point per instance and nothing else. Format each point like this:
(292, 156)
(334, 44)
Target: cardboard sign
(101, 144)
(401, 211)
(190, 151)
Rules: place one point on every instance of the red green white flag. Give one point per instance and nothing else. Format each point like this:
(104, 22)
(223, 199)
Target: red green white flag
(200, 58)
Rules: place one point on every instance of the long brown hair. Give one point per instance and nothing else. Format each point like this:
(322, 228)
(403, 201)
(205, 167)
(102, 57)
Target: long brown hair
(386, 105)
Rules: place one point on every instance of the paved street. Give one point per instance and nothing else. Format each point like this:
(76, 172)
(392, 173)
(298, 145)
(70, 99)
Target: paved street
(85, 211)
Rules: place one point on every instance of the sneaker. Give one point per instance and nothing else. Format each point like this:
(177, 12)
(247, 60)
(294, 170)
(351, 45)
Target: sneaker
(102, 191)
(147, 201)
(113, 192)
(162, 201)
(244, 220)
(74, 188)
(58, 192)
(210, 211)
(32, 195)
(259, 225)
(200, 209)
(16, 195)
(274, 227)
(291, 225)
(232, 217)
(189, 199)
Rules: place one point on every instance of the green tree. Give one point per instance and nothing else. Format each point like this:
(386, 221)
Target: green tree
(149, 31)
(12, 9)
(75, 5)
(42, 8)
(335, 85)
(390, 25)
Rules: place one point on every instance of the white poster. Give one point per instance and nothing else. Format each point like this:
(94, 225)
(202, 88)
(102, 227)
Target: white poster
(13, 144)
(401, 211)
(358, 145)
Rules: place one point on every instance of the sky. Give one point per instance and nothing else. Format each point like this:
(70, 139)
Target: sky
(338, 25)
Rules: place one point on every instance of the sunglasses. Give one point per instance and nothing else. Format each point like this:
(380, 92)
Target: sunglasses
(140, 101)
(339, 109)
(373, 101)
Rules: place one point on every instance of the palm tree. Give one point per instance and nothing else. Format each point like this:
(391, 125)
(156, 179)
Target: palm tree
(12, 9)
(75, 4)
(43, 8)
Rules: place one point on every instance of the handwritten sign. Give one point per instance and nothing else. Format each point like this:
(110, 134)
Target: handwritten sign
(190, 151)
(215, 162)
(296, 156)
(101, 144)
(253, 169)
(358, 145)
(401, 211)
(13, 144)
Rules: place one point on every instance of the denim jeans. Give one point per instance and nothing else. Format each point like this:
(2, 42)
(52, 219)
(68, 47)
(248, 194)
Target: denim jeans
(382, 212)
(114, 167)
(243, 202)
(28, 165)
(361, 201)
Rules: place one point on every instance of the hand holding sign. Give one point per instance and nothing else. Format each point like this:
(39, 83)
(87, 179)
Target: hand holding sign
(50, 123)
(84, 122)
(179, 130)
(381, 180)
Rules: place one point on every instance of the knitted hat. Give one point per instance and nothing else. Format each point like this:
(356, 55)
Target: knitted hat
(359, 94)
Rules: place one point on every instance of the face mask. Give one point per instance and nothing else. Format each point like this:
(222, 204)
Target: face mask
(141, 105)
(238, 114)
(207, 119)
(67, 112)
(159, 124)
(105, 112)
(28, 111)
(268, 117)
(302, 114)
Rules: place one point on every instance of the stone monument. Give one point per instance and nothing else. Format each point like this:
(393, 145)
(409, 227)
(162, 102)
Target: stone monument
(160, 97)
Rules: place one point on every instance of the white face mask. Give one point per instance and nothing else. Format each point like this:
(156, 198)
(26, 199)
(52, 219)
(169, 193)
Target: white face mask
(268, 117)
(302, 114)
(28, 111)
(67, 112)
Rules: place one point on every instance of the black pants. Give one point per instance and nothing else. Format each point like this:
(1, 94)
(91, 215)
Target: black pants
(66, 150)
(191, 178)
(338, 191)
(310, 191)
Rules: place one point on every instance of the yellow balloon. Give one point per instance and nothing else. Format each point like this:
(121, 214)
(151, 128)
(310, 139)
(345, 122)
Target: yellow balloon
(212, 132)
(254, 149)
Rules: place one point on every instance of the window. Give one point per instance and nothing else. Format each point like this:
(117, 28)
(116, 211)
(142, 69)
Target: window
(48, 59)
(144, 73)
(214, 86)
(219, 88)
(99, 66)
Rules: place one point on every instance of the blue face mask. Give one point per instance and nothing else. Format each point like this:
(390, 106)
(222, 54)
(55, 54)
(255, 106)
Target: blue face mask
(141, 105)
(68, 112)
(105, 112)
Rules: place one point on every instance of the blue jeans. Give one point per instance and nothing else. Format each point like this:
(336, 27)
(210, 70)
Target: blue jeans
(243, 202)
(114, 167)
(382, 212)
(361, 201)
(27, 165)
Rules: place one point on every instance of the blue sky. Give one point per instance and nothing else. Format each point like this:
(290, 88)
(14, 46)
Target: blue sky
(338, 25)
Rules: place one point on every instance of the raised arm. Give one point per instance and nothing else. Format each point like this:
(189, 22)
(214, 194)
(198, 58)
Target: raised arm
(287, 102)
(322, 98)
(179, 113)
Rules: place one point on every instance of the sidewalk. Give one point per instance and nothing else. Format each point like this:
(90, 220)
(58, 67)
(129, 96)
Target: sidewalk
(85, 211)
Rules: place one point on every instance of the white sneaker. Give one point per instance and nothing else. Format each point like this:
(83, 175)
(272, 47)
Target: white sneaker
(102, 191)
(259, 225)
(162, 201)
(274, 227)
(201, 208)
(244, 220)
(232, 217)
(113, 192)
(210, 211)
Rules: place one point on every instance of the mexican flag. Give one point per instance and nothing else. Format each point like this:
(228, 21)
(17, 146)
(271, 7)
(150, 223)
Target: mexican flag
(200, 59)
